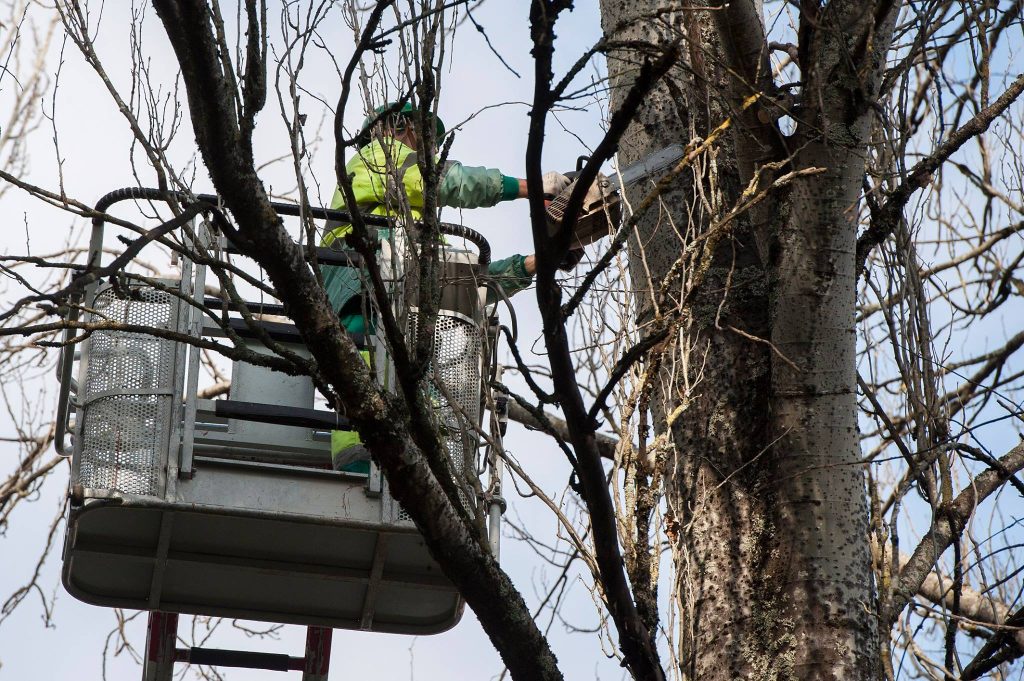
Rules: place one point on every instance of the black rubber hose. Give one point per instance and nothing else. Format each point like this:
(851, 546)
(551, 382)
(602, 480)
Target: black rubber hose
(467, 233)
(471, 235)
(128, 193)
(148, 194)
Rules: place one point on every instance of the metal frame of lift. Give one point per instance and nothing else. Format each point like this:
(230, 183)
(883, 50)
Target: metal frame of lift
(162, 653)
(217, 452)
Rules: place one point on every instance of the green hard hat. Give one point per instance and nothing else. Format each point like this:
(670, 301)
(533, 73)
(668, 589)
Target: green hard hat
(407, 110)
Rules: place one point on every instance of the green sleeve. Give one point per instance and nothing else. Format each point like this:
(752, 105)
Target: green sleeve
(344, 285)
(510, 274)
(473, 187)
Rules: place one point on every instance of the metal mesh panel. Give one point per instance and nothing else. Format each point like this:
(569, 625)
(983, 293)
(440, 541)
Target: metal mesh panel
(454, 390)
(127, 395)
(455, 387)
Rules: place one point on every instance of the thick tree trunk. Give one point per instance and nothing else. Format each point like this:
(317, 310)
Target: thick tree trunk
(772, 557)
(820, 564)
(721, 431)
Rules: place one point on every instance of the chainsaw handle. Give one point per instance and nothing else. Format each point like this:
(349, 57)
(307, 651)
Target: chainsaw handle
(580, 162)
(572, 174)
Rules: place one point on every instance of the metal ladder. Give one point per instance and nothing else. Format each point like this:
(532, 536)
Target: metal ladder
(162, 653)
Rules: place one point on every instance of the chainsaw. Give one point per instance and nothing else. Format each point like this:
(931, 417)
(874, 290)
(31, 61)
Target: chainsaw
(602, 208)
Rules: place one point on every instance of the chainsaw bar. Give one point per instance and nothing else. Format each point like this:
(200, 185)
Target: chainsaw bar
(649, 166)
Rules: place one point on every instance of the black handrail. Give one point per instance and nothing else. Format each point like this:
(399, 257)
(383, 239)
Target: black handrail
(290, 209)
(280, 415)
(283, 332)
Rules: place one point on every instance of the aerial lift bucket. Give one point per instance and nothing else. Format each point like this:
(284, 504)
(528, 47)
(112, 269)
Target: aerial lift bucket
(229, 507)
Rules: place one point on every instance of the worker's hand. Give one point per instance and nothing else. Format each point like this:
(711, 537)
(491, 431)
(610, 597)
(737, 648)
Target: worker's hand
(571, 259)
(554, 183)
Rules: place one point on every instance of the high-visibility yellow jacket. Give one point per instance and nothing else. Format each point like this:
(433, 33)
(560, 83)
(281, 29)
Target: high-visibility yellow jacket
(376, 190)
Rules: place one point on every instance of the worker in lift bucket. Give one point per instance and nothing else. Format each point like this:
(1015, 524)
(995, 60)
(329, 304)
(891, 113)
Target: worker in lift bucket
(389, 140)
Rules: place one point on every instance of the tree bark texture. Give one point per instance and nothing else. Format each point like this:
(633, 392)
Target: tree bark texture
(772, 556)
